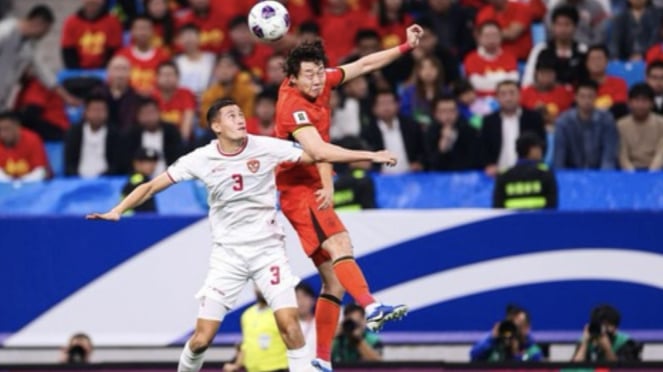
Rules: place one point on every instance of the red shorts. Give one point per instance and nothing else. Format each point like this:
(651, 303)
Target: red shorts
(313, 226)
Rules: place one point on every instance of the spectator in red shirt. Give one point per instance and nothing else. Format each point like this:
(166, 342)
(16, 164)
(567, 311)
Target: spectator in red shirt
(250, 53)
(164, 24)
(212, 20)
(302, 11)
(90, 37)
(22, 153)
(338, 24)
(546, 95)
(514, 20)
(142, 55)
(613, 91)
(262, 123)
(177, 105)
(392, 22)
(655, 52)
(42, 110)
(489, 65)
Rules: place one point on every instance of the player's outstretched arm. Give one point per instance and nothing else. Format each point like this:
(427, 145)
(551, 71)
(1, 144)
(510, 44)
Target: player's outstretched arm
(137, 197)
(317, 150)
(377, 60)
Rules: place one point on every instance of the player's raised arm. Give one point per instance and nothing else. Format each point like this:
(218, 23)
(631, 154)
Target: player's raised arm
(316, 150)
(137, 197)
(377, 60)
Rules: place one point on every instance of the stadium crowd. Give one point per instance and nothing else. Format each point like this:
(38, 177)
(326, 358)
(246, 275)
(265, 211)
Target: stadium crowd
(139, 73)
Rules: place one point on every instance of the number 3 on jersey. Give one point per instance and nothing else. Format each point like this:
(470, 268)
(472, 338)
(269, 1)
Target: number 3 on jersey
(238, 184)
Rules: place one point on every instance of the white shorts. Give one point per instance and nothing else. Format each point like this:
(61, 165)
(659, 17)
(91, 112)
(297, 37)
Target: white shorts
(266, 265)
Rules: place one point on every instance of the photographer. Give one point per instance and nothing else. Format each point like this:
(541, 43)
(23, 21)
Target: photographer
(510, 340)
(78, 349)
(354, 342)
(602, 342)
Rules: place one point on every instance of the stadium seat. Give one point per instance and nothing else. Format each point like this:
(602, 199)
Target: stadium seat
(632, 72)
(538, 33)
(55, 154)
(80, 73)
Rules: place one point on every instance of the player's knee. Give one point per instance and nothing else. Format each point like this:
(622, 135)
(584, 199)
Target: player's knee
(334, 288)
(338, 245)
(199, 342)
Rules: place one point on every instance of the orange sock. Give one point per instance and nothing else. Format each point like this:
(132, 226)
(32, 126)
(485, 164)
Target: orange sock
(327, 311)
(352, 279)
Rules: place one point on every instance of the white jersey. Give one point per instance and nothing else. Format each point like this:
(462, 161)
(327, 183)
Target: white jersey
(241, 187)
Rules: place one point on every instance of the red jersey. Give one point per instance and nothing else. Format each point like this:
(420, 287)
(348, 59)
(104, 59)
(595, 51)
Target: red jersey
(34, 93)
(172, 110)
(300, 12)
(613, 90)
(253, 127)
(25, 156)
(393, 34)
(213, 26)
(338, 31)
(486, 72)
(91, 38)
(556, 101)
(256, 61)
(144, 66)
(512, 13)
(294, 111)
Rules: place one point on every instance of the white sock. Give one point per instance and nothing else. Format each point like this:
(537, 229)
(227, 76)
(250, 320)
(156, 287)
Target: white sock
(190, 362)
(299, 359)
(325, 363)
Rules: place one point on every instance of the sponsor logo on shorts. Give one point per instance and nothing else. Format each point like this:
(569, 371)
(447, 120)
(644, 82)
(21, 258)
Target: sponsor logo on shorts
(253, 165)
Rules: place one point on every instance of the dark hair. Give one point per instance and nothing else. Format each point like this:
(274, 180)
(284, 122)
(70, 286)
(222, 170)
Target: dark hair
(384, 92)
(599, 48)
(605, 313)
(352, 143)
(213, 111)
(654, 65)
(95, 97)
(269, 94)
(10, 116)
(236, 21)
(439, 82)
(147, 101)
(587, 84)
(461, 86)
(641, 90)
(485, 24)
(351, 308)
(567, 11)
(141, 17)
(382, 14)
(366, 33)
(305, 52)
(507, 82)
(190, 27)
(545, 64)
(169, 63)
(443, 97)
(306, 288)
(42, 12)
(167, 22)
(524, 145)
(310, 27)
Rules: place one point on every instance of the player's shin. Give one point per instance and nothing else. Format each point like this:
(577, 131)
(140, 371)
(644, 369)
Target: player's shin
(299, 356)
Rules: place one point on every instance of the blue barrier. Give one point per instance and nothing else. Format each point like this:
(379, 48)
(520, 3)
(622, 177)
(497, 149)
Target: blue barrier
(578, 191)
(457, 270)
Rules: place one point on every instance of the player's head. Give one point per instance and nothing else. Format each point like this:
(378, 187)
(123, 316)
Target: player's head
(227, 120)
(305, 66)
(9, 128)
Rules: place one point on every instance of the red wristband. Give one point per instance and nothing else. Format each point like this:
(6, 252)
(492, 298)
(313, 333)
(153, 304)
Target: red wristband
(404, 48)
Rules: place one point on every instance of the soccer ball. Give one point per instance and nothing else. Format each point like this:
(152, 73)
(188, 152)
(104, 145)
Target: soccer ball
(269, 20)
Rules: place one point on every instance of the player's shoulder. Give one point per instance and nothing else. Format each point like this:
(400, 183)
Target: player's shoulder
(265, 141)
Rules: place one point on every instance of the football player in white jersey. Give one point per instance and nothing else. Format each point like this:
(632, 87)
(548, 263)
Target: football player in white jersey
(248, 243)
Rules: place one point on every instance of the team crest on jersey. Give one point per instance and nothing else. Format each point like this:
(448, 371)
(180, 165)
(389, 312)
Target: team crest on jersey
(253, 165)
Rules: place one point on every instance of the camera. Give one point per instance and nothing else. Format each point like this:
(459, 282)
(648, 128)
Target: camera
(507, 329)
(76, 355)
(348, 327)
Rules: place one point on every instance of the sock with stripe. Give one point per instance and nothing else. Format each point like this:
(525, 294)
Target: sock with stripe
(352, 279)
(327, 312)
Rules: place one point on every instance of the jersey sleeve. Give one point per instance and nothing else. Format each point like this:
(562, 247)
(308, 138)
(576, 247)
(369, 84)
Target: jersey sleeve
(284, 151)
(335, 76)
(293, 118)
(184, 168)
